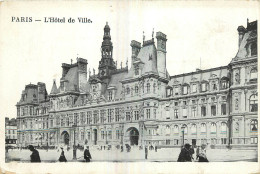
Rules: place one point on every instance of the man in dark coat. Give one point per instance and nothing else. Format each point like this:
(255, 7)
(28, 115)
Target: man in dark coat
(35, 157)
(186, 154)
(146, 152)
(87, 155)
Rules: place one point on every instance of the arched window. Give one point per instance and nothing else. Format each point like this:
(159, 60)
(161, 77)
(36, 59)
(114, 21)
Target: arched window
(253, 103)
(185, 128)
(176, 129)
(213, 128)
(223, 128)
(253, 74)
(203, 128)
(253, 126)
(168, 130)
(193, 129)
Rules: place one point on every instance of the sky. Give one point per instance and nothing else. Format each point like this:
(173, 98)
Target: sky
(200, 35)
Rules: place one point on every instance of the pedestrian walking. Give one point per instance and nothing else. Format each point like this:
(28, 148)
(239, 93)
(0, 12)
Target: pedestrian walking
(146, 152)
(201, 153)
(62, 156)
(35, 157)
(155, 148)
(185, 154)
(87, 155)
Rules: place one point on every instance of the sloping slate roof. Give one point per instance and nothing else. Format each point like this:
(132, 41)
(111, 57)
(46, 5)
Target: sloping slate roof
(72, 78)
(115, 81)
(54, 89)
(148, 55)
(242, 49)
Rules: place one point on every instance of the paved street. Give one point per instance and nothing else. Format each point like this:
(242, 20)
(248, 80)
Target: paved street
(168, 154)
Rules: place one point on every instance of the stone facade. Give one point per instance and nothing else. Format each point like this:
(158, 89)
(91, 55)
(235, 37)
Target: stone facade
(143, 104)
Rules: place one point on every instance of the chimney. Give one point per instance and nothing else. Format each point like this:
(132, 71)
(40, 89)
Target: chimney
(241, 32)
(65, 69)
(161, 53)
(136, 46)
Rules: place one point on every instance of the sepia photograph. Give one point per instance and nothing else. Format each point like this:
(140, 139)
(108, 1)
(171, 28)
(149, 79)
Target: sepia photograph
(142, 83)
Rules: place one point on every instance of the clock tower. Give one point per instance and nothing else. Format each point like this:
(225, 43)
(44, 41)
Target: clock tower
(106, 64)
(161, 53)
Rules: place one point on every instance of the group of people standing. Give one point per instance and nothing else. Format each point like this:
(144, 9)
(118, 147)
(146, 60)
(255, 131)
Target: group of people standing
(187, 151)
(35, 157)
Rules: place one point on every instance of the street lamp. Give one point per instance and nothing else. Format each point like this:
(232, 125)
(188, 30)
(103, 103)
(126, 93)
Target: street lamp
(74, 146)
(182, 130)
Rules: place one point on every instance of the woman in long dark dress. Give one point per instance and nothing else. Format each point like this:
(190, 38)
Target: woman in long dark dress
(62, 156)
(87, 155)
(186, 154)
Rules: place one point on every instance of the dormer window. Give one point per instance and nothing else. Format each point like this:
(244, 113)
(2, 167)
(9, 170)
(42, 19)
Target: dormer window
(203, 87)
(110, 95)
(168, 92)
(127, 90)
(194, 88)
(136, 70)
(185, 90)
(224, 83)
(176, 90)
(214, 87)
(253, 75)
(253, 49)
(62, 86)
(94, 88)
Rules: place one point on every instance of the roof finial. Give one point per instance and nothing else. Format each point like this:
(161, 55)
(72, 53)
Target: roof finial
(247, 20)
(89, 72)
(106, 23)
(121, 64)
(116, 64)
(71, 61)
(153, 33)
(127, 62)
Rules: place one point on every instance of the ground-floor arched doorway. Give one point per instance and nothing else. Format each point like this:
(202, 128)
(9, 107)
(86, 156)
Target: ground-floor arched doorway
(65, 137)
(133, 135)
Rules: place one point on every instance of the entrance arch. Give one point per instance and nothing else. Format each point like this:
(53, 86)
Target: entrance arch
(65, 137)
(133, 135)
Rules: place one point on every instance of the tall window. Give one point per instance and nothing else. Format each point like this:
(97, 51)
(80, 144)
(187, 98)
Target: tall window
(176, 113)
(193, 112)
(223, 128)
(102, 115)
(253, 126)
(89, 113)
(102, 134)
(253, 103)
(185, 89)
(213, 128)
(184, 112)
(223, 109)
(176, 130)
(203, 128)
(68, 121)
(213, 110)
(109, 115)
(176, 90)
(148, 87)
(154, 113)
(168, 92)
(148, 113)
(117, 114)
(117, 134)
(136, 114)
(168, 130)
(136, 70)
(88, 135)
(110, 134)
(154, 88)
(95, 116)
(110, 97)
(224, 83)
(136, 89)
(203, 87)
(193, 129)
(127, 116)
(82, 135)
(194, 88)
